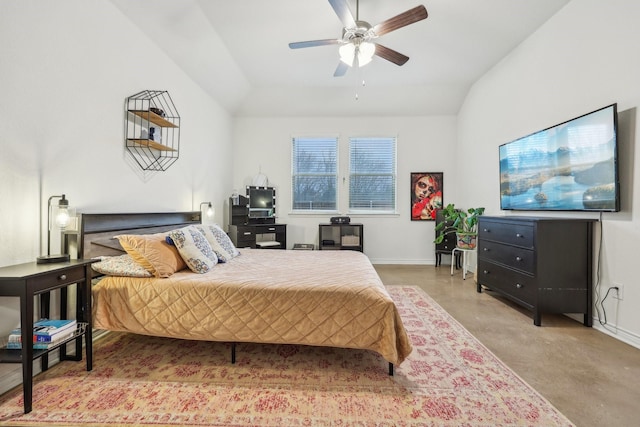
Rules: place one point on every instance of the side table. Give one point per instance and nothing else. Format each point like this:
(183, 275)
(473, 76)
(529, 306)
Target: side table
(465, 262)
(30, 279)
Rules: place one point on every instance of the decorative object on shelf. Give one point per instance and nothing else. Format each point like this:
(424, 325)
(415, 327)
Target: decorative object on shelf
(426, 195)
(155, 136)
(210, 211)
(152, 130)
(61, 220)
(260, 180)
(235, 197)
(463, 223)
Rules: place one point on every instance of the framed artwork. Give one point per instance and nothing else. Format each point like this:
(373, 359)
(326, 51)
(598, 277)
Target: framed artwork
(426, 195)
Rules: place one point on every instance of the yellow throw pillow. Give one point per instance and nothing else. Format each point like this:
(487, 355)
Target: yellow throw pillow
(153, 253)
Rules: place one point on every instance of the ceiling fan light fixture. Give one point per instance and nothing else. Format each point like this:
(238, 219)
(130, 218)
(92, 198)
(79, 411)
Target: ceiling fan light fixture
(366, 51)
(347, 53)
(355, 44)
(363, 50)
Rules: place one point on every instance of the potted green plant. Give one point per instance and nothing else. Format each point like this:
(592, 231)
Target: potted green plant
(463, 223)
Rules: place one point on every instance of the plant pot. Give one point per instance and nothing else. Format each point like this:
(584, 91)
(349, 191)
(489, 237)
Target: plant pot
(466, 240)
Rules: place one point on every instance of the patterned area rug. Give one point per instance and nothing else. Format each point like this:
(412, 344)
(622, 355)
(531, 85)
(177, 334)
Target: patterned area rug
(450, 379)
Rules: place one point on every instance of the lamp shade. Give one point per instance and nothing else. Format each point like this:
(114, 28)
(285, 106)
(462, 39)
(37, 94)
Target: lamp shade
(347, 53)
(366, 51)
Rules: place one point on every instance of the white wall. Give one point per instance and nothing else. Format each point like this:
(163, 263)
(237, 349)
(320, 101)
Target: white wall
(583, 58)
(65, 72)
(425, 144)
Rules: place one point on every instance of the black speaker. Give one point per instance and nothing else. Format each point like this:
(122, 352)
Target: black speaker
(340, 220)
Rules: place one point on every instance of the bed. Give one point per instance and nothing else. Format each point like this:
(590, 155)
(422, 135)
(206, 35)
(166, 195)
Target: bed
(317, 298)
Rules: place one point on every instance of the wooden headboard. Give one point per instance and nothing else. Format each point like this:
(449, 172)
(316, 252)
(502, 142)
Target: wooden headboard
(97, 231)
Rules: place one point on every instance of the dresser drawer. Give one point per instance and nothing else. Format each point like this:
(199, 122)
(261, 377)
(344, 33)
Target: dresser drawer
(515, 257)
(57, 279)
(447, 244)
(271, 229)
(505, 232)
(509, 282)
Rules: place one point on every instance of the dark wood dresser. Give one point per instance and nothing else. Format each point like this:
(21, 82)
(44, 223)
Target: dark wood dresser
(247, 236)
(543, 264)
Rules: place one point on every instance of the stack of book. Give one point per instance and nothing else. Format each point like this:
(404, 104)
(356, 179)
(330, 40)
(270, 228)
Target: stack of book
(46, 334)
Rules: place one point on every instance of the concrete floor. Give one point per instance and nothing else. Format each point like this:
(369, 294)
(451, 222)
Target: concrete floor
(592, 378)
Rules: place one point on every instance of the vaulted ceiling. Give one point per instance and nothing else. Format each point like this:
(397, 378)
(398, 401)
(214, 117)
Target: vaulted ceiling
(238, 52)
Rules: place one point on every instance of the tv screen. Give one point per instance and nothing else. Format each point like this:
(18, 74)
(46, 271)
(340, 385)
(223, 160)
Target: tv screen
(261, 201)
(571, 166)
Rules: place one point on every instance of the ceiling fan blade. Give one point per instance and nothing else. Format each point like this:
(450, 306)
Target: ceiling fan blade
(341, 8)
(416, 14)
(313, 43)
(341, 70)
(391, 55)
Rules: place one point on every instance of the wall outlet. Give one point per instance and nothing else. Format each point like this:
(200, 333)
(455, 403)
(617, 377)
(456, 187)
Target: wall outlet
(618, 293)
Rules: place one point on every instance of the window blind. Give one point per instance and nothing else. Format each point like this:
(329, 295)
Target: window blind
(314, 174)
(372, 174)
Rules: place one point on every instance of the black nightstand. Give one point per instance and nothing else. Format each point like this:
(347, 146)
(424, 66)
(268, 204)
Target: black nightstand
(31, 279)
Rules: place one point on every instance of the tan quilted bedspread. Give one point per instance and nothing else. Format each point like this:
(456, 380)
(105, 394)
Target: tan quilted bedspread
(320, 298)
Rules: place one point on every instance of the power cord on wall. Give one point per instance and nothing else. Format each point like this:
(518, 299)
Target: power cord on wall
(602, 305)
(602, 319)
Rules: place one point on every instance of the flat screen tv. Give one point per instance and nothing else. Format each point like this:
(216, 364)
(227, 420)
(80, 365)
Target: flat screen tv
(571, 166)
(262, 201)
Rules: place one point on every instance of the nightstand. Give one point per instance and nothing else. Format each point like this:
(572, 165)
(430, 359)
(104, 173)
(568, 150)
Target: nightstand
(28, 280)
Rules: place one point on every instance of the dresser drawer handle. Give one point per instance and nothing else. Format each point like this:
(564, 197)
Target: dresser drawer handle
(486, 230)
(518, 258)
(485, 249)
(272, 229)
(247, 233)
(485, 272)
(518, 285)
(518, 235)
(62, 277)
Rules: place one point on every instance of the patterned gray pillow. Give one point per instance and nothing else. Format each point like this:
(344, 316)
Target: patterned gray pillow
(194, 249)
(219, 241)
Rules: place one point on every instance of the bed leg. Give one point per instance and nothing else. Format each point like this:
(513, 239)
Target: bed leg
(233, 352)
(391, 369)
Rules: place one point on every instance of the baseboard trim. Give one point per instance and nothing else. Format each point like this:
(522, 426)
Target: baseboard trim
(403, 261)
(620, 334)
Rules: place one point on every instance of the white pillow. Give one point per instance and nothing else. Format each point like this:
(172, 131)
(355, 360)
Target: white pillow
(219, 241)
(121, 265)
(194, 249)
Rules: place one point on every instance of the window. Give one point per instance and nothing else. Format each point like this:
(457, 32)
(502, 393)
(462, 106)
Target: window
(372, 175)
(314, 174)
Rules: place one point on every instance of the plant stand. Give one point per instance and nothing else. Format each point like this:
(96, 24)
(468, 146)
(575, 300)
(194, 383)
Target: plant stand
(465, 261)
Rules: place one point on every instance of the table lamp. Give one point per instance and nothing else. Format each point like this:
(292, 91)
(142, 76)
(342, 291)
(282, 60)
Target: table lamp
(61, 220)
(210, 210)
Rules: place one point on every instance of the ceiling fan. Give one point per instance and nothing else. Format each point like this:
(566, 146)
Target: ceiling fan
(356, 44)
